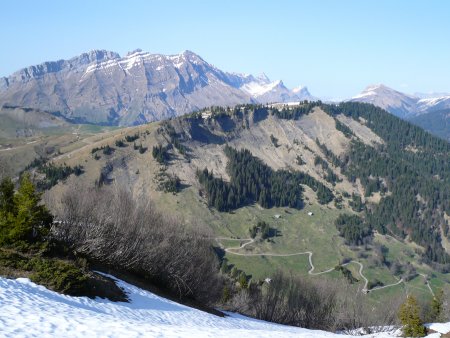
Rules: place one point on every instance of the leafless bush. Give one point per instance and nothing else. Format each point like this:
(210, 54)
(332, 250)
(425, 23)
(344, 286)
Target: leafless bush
(316, 303)
(290, 300)
(428, 312)
(241, 302)
(108, 225)
(446, 306)
(356, 314)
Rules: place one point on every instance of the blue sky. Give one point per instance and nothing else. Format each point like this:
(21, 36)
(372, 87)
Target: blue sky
(336, 48)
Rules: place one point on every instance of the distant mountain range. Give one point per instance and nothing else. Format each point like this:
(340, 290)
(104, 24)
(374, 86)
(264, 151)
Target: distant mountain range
(429, 111)
(103, 88)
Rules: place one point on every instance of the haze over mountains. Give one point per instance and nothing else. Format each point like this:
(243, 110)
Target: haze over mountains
(101, 87)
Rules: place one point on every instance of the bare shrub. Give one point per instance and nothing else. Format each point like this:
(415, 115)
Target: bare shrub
(290, 300)
(241, 302)
(446, 306)
(316, 303)
(356, 315)
(108, 225)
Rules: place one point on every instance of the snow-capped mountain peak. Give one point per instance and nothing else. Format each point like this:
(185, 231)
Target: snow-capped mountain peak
(263, 78)
(136, 88)
(262, 89)
(376, 90)
(302, 91)
(259, 88)
(401, 104)
(192, 57)
(387, 98)
(299, 89)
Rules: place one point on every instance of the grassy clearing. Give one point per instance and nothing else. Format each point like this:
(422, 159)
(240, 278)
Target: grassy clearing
(261, 267)
(17, 152)
(381, 296)
(298, 233)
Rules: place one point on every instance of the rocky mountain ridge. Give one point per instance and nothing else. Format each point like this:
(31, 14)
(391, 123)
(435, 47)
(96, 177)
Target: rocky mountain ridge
(101, 87)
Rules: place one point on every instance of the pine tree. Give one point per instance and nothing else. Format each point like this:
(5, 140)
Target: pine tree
(410, 319)
(31, 220)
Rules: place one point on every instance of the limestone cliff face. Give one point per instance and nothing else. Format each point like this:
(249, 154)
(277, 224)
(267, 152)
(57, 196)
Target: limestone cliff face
(102, 87)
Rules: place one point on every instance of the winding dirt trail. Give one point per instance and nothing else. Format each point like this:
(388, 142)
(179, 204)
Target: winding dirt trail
(19, 146)
(247, 241)
(428, 284)
(387, 286)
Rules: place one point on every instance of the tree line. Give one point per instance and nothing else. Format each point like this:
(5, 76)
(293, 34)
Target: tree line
(410, 170)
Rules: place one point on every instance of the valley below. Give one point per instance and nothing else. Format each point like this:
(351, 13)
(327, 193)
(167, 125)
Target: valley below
(274, 188)
(306, 241)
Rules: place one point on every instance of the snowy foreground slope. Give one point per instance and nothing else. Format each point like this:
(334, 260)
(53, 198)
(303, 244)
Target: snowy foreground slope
(30, 310)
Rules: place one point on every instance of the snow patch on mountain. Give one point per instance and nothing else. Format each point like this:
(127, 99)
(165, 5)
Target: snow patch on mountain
(368, 91)
(433, 104)
(430, 95)
(138, 57)
(300, 89)
(258, 88)
(103, 87)
(30, 310)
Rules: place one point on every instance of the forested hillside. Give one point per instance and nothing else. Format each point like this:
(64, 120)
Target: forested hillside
(436, 121)
(413, 166)
(410, 170)
(253, 181)
(345, 190)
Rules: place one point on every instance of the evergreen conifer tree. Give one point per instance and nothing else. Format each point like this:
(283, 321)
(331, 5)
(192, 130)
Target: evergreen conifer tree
(410, 318)
(22, 217)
